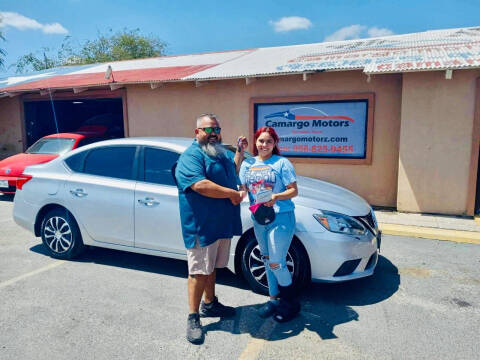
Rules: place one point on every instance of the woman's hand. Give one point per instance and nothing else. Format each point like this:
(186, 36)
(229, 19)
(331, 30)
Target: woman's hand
(271, 202)
(242, 144)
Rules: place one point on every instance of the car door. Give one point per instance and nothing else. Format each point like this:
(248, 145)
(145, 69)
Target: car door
(157, 216)
(100, 192)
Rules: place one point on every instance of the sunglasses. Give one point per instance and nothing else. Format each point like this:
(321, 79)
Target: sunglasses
(209, 130)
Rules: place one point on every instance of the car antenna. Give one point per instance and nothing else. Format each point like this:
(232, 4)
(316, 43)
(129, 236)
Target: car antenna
(54, 114)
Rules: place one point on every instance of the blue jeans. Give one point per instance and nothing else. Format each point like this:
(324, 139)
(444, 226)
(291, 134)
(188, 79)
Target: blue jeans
(274, 241)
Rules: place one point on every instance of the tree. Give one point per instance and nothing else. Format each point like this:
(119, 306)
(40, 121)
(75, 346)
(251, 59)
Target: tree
(122, 45)
(2, 52)
(33, 62)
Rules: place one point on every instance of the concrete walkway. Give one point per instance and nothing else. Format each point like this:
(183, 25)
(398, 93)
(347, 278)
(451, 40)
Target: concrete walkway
(440, 227)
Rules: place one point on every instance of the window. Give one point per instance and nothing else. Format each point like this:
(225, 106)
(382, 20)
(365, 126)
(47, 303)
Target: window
(112, 161)
(75, 162)
(158, 166)
(51, 146)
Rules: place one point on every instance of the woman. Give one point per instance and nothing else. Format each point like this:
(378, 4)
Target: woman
(270, 180)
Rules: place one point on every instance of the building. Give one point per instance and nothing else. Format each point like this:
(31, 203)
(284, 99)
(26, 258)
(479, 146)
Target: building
(396, 119)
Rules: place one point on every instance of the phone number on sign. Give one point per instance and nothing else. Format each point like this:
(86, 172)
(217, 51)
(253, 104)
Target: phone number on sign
(347, 149)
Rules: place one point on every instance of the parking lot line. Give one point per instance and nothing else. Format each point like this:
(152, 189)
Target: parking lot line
(256, 344)
(31, 273)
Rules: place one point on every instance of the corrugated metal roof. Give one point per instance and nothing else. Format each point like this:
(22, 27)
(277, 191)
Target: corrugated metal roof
(430, 50)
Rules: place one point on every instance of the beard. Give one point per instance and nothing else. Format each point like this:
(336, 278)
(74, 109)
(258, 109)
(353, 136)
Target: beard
(213, 149)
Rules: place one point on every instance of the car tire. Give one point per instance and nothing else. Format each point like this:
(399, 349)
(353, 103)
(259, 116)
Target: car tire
(253, 269)
(61, 235)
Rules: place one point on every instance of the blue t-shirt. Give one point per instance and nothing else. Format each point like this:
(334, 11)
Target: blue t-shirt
(204, 218)
(273, 174)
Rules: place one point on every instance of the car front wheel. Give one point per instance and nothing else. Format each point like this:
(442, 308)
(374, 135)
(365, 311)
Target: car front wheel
(61, 235)
(253, 268)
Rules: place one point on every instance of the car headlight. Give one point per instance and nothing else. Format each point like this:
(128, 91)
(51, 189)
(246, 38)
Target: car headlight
(339, 223)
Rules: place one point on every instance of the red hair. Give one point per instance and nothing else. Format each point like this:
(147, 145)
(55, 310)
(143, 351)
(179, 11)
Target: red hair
(272, 133)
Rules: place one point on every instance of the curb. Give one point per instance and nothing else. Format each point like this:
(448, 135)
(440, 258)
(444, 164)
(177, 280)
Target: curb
(459, 236)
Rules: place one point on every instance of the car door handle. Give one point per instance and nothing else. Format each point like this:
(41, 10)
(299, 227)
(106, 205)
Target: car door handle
(148, 202)
(78, 193)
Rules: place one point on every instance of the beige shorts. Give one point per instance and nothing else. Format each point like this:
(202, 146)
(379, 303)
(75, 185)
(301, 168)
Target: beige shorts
(204, 260)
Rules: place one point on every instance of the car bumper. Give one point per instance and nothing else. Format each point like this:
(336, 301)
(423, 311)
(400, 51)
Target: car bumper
(24, 213)
(12, 184)
(342, 257)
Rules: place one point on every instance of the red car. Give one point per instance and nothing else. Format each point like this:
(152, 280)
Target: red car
(44, 150)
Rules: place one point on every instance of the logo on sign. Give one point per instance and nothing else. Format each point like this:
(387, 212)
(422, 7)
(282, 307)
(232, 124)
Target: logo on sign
(314, 118)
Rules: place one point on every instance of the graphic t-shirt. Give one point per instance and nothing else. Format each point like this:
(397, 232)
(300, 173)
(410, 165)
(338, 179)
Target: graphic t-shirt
(261, 177)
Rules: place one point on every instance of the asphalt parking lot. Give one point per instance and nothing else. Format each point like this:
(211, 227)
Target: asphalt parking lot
(422, 303)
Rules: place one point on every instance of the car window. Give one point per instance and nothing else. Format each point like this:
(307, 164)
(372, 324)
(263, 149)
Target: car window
(75, 162)
(51, 146)
(112, 161)
(158, 166)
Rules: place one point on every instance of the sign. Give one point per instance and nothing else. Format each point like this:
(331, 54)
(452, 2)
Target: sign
(320, 129)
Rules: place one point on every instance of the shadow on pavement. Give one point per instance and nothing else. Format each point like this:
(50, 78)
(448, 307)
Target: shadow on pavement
(148, 263)
(324, 305)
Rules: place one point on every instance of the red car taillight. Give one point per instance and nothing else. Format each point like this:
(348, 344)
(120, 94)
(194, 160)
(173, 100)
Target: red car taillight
(22, 181)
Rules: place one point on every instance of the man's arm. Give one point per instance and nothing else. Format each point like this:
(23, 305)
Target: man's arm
(210, 189)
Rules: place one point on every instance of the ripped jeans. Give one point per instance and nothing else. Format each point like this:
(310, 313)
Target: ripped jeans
(274, 241)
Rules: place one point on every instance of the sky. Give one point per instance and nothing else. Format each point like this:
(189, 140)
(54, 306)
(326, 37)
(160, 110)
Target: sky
(189, 26)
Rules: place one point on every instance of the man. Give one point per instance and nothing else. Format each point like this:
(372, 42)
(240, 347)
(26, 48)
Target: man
(209, 201)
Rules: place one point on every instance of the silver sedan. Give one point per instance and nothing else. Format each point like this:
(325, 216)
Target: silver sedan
(120, 194)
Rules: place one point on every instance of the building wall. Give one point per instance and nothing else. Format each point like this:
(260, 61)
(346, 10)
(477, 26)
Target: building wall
(10, 127)
(171, 110)
(435, 141)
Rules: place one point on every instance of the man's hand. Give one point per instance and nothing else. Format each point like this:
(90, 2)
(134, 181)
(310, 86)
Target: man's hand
(237, 197)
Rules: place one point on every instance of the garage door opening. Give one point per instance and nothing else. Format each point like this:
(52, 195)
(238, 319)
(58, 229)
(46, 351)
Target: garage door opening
(104, 117)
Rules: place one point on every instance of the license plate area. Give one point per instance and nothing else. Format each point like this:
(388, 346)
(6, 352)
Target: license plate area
(4, 184)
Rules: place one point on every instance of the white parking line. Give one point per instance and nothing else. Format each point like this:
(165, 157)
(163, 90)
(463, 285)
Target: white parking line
(31, 273)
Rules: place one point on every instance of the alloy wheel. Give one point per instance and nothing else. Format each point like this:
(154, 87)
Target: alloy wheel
(257, 266)
(58, 234)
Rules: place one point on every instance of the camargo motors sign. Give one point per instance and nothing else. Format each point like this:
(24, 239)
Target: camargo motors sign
(328, 129)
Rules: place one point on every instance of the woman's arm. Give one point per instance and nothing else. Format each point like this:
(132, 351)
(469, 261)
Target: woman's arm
(291, 192)
(242, 144)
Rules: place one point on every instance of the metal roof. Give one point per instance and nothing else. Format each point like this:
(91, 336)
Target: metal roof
(430, 50)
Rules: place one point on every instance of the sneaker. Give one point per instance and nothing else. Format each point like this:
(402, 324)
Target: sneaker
(194, 329)
(267, 310)
(216, 309)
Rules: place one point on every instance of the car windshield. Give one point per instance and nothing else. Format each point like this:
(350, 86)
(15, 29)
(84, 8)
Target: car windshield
(51, 146)
(234, 149)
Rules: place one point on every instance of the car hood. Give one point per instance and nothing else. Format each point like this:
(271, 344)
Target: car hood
(318, 194)
(14, 165)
